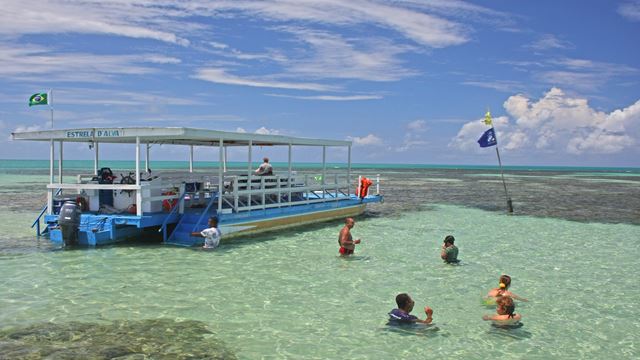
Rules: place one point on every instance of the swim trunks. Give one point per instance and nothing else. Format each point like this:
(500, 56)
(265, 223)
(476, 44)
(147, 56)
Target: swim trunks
(344, 251)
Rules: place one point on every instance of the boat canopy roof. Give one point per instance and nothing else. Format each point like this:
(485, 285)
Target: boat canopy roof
(169, 135)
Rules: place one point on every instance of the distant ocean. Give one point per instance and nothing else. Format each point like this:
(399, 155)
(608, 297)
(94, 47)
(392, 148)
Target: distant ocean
(571, 246)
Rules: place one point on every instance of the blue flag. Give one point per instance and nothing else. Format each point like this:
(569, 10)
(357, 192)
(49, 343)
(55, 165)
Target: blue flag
(488, 139)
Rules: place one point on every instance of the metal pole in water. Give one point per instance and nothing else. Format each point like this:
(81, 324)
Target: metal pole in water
(506, 194)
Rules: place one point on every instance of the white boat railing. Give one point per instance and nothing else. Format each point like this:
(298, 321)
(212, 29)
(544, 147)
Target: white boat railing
(241, 192)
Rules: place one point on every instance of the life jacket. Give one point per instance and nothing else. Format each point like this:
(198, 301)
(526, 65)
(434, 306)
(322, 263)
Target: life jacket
(363, 189)
(168, 204)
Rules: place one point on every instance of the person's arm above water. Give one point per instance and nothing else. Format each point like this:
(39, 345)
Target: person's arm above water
(514, 296)
(429, 319)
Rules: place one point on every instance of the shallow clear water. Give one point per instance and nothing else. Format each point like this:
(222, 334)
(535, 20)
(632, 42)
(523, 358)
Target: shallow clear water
(288, 294)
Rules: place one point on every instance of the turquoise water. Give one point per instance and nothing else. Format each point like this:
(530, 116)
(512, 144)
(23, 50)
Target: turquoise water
(288, 294)
(126, 164)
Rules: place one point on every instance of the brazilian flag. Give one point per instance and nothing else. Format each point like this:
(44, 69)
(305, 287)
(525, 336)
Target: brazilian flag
(39, 99)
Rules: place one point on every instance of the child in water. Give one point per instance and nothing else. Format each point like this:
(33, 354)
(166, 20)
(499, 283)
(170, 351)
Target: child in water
(503, 290)
(504, 312)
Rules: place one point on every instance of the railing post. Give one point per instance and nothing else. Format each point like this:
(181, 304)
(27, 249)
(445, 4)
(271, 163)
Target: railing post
(235, 194)
(279, 192)
(181, 202)
(377, 184)
(262, 190)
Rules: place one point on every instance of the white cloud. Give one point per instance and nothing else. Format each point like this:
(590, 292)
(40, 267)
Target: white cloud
(557, 123)
(549, 42)
(241, 130)
(220, 76)
(413, 137)
(31, 62)
(333, 56)
(580, 74)
(417, 125)
(134, 19)
(416, 25)
(330, 97)
(369, 140)
(499, 85)
(264, 131)
(630, 10)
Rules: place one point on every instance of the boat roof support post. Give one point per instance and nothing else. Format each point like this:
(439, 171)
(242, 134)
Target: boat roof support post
(50, 191)
(220, 174)
(138, 160)
(190, 158)
(95, 158)
(60, 162)
(249, 161)
(349, 171)
(51, 160)
(138, 191)
(289, 180)
(224, 165)
(324, 165)
(147, 167)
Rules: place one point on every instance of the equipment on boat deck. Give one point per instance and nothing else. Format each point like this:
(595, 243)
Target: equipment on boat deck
(69, 221)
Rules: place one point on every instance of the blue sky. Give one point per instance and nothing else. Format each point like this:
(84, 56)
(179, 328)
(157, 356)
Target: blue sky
(407, 81)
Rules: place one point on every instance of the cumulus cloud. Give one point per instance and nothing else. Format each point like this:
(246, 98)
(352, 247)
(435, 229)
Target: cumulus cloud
(413, 136)
(630, 10)
(264, 131)
(369, 140)
(557, 123)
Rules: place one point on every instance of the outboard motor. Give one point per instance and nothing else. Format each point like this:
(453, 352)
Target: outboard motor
(69, 221)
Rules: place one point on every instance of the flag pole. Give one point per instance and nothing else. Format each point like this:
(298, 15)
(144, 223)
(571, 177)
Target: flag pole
(506, 194)
(50, 101)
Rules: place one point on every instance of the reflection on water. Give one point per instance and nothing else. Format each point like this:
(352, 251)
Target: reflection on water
(144, 339)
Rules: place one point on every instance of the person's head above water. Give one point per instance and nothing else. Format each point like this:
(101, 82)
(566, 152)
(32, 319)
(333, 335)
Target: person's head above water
(505, 282)
(349, 222)
(449, 239)
(505, 306)
(404, 302)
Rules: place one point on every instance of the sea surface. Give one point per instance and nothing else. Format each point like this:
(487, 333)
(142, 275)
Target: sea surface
(571, 247)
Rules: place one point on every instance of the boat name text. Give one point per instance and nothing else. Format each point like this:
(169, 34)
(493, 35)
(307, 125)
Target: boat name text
(92, 133)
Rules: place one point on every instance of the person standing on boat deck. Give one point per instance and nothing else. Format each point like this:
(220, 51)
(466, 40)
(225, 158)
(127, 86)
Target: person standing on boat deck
(211, 234)
(449, 251)
(265, 169)
(347, 244)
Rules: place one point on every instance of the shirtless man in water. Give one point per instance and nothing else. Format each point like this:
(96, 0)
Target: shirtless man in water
(347, 244)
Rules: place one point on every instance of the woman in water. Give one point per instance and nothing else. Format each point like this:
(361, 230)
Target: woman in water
(503, 290)
(505, 314)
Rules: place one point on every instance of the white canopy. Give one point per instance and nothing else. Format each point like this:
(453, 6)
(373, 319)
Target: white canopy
(169, 135)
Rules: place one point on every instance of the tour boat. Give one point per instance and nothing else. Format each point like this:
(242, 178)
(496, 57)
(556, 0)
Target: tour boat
(99, 207)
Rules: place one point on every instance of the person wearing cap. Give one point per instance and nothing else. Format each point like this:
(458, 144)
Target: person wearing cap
(449, 251)
(402, 315)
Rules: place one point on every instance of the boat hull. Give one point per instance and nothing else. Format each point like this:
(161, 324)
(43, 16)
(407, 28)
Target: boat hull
(259, 226)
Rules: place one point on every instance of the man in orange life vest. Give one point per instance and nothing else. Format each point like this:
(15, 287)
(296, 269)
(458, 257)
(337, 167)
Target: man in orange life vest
(347, 244)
